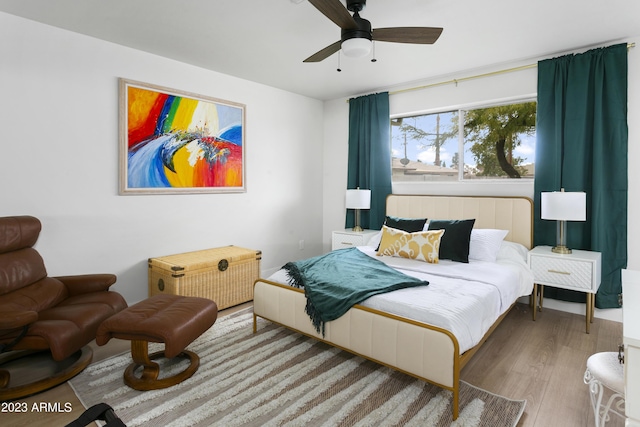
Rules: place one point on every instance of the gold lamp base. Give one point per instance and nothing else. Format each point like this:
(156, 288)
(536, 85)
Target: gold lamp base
(561, 239)
(561, 249)
(356, 226)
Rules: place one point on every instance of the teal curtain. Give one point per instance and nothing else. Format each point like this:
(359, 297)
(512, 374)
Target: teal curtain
(582, 146)
(369, 156)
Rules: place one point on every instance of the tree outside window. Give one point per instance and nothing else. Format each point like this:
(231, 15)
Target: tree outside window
(497, 142)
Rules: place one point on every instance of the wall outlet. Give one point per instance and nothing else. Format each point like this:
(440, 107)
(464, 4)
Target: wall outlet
(301, 245)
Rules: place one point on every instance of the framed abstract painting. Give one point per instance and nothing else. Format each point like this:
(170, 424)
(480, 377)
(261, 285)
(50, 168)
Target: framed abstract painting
(174, 142)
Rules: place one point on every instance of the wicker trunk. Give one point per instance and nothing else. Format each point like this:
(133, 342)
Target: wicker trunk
(224, 275)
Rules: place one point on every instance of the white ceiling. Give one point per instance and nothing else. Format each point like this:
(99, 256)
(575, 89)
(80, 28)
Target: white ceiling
(266, 40)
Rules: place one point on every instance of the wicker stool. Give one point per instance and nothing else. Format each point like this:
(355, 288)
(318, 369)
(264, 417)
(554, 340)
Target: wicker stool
(170, 319)
(604, 370)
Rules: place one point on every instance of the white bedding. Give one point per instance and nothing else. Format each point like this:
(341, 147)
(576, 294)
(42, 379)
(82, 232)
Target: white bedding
(465, 299)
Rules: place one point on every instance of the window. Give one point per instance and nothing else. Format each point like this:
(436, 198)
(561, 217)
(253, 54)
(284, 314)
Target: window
(496, 142)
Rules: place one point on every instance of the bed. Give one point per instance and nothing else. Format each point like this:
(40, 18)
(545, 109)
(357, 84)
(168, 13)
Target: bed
(429, 349)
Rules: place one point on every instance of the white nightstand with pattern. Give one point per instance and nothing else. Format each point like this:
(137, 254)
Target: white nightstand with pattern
(348, 238)
(578, 271)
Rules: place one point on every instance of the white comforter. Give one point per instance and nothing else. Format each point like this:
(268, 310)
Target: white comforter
(465, 299)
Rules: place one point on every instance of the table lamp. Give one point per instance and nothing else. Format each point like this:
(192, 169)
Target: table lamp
(563, 206)
(358, 199)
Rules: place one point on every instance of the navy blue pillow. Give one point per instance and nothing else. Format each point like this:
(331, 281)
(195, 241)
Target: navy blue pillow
(454, 244)
(410, 225)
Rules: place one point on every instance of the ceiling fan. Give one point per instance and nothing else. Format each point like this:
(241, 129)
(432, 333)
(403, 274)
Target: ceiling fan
(357, 34)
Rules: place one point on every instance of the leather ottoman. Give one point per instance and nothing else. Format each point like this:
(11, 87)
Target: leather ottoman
(170, 319)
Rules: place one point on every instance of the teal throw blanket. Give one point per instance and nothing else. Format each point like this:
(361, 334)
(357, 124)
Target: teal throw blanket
(336, 281)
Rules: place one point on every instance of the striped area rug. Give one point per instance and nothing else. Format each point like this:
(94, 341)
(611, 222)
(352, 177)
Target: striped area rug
(280, 378)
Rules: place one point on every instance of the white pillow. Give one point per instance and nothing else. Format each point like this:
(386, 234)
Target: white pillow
(485, 243)
(374, 241)
(513, 251)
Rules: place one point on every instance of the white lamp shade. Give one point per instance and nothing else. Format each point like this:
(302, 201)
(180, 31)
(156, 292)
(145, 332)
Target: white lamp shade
(356, 47)
(358, 199)
(563, 206)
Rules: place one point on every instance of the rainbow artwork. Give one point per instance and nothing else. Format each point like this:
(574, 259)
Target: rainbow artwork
(179, 142)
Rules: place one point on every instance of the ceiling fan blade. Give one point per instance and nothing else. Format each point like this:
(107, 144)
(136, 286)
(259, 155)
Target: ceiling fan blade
(418, 35)
(335, 11)
(324, 53)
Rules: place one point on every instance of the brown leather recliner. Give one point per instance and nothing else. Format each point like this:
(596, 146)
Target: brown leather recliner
(41, 313)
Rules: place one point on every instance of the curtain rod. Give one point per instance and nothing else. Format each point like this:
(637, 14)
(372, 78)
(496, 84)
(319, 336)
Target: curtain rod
(463, 79)
(478, 76)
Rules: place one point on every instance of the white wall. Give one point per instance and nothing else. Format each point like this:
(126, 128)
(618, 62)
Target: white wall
(59, 161)
(633, 121)
(467, 93)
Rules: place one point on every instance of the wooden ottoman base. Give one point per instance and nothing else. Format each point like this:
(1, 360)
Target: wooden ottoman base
(148, 379)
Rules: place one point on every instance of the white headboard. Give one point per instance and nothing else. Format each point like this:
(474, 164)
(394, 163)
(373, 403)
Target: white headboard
(506, 213)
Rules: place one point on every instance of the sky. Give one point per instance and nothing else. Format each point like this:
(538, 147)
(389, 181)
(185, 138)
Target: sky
(428, 123)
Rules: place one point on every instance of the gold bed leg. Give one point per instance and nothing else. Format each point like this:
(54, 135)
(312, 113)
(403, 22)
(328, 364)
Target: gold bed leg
(255, 323)
(533, 301)
(456, 398)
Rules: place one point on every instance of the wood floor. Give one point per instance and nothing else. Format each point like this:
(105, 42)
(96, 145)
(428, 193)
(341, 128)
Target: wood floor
(542, 362)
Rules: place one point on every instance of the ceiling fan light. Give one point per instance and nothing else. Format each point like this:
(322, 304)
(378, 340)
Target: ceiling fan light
(356, 47)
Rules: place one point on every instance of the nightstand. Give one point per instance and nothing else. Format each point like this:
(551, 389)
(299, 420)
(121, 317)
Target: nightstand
(348, 238)
(578, 271)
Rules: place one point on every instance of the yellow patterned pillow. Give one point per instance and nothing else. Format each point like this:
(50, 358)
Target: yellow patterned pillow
(422, 245)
